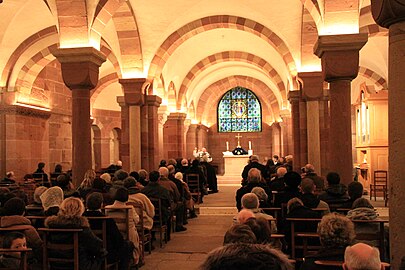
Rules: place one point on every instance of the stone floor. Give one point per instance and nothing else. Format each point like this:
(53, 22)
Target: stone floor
(187, 250)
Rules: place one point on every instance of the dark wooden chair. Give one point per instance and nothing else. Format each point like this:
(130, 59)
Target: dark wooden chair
(34, 221)
(158, 224)
(379, 184)
(23, 263)
(39, 179)
(49, 248)
(343, 211)
(193, 182)
(379, 236)
(145, 237)
(102, 234)
(303, 235)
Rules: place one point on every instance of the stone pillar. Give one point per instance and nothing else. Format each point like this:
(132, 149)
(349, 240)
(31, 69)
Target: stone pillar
(294, 97)
(80, 68)
(391, 14)
(312, 93)
(202, 137)
(153, 102)
(286, 133)
(276, 142)
(173, 138)
(191, 140)
(134, 99)
(324, 132)
(303, 131)
(144, 137)
(124, 142)
(162, 118)
(340, 64)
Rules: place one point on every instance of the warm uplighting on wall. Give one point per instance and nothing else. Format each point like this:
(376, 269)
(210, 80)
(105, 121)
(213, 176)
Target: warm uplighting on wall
(132, 74)
(32, 106)
(310, 68)
(78, 43)
(194, 121)
(339, 29)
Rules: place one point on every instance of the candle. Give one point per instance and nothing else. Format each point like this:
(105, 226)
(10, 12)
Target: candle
(227, 146)
(250, 145)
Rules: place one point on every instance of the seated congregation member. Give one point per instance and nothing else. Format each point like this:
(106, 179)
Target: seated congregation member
(254, 163)
(189, 202)
(277, 184)
(117, 210)
(9, 179)
(40, 171)
(64, 182)
(135, 195)
(362, 256)
(36, 209)
(91, 250)
(143, 177)
(100, 186)
(196, 169)
(12, 240)
(251, 202)
(244, 215)
(261, 228)
(335, 193)
(14, 210)
(107, 179)
(87, 183)
(246, 256)
(211, 174)
(178, 204)
(156, 191)
(254, 180)
(263, 197)
(184, 166)
(309, 198)
(239, 233)
(336, 232)
(292, 181)
(355, 191)
(51, 200)
(308, 171)
(118, 249)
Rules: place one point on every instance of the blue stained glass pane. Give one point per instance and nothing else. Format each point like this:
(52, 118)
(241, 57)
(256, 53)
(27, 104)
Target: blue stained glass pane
(239, 111)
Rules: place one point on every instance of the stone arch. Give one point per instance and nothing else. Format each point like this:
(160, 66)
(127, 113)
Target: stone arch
(314, 10)
(191, 113)
(231, 56)
(206, 111)
(102, 84)
(213, 22)
(379, 81)
(368, 25)
(171, 96)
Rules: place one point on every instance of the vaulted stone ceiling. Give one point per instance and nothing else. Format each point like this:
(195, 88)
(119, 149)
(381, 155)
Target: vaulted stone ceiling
(183, 48)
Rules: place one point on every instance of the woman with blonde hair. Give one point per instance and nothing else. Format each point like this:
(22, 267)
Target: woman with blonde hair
(91, 250)
(87, 183)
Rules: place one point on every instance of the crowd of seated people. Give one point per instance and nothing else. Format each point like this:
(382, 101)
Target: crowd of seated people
(57, 203)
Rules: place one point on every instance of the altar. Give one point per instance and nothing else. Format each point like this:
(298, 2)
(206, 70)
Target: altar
(234, 164)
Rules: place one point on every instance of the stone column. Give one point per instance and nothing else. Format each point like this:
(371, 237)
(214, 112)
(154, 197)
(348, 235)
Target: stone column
(312, 93)
(340, 64)
(294, 97)
(173, 138)
(303, 131)
(144, 136)
(162, 118)
(286, 133)
(391, 14)
(80, 68)
(191, 140)
(124, 142)
(324, 131)
(134, 99)
(153, 102)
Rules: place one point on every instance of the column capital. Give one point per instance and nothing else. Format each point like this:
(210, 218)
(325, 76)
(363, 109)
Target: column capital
(80, 66)
(132, 89)
(312, 85)
(387, 12)
(121, 101)
(340, 55)
(153, 100)
(285, 114)
(177, 116)
(294, 96)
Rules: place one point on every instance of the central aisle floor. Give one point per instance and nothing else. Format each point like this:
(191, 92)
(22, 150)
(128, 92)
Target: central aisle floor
(187, 250)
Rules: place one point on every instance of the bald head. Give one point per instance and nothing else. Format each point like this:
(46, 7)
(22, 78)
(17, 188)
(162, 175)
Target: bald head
(362, 257)
(281, 171)
(164, 171)
(244, 215)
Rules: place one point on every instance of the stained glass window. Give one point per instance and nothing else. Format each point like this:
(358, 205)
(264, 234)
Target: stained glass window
(239, 111)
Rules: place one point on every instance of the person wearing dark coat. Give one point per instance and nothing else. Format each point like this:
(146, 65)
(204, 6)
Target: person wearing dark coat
(40, 171)
(118, 249)
(254, 163)
(292, 181)
(335, 193)
(308, 197)
(156, 191)
(211, 176)
(336, 232)
(254, 180)
(9, 179)
(195, 169)
(278, 184)
(91, 252)
(308, 171)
